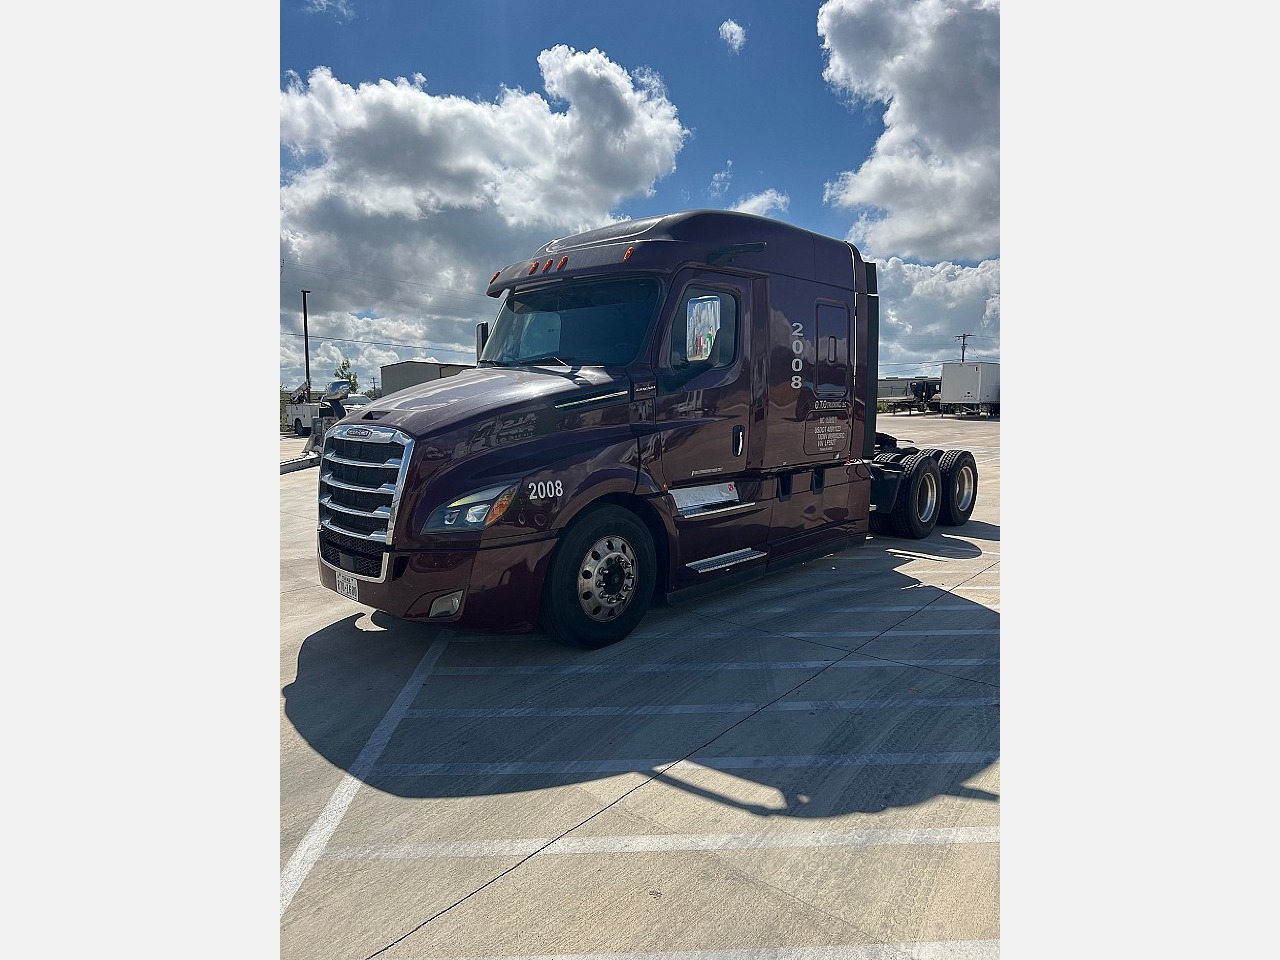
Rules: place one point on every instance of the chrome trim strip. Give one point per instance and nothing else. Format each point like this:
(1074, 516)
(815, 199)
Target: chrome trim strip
(386, 488)
(566, 404)
(390, 464)
(371, 537)
(725, 560)
(381, 513)
(714, 511)
(384, 434)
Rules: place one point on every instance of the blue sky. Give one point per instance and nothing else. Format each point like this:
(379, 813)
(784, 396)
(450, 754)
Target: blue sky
(424, 145)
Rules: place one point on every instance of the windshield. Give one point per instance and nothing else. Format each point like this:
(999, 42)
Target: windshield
(593, 322)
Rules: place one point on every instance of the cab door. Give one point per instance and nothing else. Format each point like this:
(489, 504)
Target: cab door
(703, 419)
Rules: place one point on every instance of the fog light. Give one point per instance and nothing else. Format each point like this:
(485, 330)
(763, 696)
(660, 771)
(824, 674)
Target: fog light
(447, 605)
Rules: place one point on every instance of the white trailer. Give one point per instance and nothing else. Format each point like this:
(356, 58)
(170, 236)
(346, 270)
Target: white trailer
(971, 387)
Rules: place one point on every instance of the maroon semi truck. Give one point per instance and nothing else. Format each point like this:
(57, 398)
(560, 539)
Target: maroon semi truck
(662, 407)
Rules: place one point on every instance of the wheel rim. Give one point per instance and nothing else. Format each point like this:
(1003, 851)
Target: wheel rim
(607, 578)
(966, 485)
(927, 498)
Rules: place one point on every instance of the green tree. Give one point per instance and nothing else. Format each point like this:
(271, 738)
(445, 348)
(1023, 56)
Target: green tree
(344, 373)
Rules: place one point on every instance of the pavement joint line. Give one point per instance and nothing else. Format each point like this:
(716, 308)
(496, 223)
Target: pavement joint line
(792, 608)
(657, 767)
(931, 950)
(891, 634)
(671, 843)
(770, 665)
(312, 847)
(644, 710)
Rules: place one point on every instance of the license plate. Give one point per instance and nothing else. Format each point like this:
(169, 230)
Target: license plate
(347, 585)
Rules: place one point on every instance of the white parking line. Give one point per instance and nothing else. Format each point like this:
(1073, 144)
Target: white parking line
(670, 843)
(311, 849)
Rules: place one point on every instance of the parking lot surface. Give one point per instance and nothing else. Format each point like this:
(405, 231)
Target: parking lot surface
(804, 767)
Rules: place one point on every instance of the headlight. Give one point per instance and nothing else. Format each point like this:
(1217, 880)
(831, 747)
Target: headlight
(475, 511)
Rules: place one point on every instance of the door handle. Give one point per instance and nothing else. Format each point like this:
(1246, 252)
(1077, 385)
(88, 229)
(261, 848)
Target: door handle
(739, 439)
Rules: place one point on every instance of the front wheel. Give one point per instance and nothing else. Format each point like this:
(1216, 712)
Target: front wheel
(601, 579)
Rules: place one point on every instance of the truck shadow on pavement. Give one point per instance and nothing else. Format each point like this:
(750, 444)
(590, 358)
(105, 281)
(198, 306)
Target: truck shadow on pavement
(842, 685)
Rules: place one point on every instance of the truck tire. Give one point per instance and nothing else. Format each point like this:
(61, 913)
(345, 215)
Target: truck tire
(959, 487)
(601, 579)
(298, 428)
(915, 510)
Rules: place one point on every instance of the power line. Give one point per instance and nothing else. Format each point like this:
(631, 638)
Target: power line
(383, 343)
(355, 275)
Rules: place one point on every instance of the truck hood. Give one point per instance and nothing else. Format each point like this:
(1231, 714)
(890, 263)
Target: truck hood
(431, 409)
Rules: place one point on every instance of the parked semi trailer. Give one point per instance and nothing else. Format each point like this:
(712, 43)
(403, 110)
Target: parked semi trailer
(972, 387)
(661, 408)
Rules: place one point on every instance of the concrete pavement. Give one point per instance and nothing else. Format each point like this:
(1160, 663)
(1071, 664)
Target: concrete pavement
(806, 767)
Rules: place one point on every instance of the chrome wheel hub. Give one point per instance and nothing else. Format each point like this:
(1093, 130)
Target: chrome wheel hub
(607, 578)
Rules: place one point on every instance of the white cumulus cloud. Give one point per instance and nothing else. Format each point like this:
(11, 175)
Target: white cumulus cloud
(398, 205)
(734, 35)
(720, 181)
(930, 190)
(341, 9)
(924, 308)
(767, 203)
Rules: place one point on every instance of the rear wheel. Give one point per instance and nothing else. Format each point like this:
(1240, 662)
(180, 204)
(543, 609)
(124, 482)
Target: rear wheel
(297, 427)
(601, 579)
(959, 487)
(915, 510)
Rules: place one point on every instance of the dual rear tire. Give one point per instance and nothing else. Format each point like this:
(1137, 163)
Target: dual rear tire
(932, 491)
(915, 509)
(959, 487)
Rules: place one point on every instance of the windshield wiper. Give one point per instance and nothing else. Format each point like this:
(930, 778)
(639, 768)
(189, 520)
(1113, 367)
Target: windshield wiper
(496, 363)
(523, 361)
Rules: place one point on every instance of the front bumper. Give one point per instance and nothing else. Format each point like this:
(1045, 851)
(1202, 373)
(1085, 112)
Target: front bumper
(501, 584)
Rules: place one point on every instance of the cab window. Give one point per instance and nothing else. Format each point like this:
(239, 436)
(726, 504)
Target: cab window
(704, 331)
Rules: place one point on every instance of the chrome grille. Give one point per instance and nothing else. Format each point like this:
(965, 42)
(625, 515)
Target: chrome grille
(362, 474)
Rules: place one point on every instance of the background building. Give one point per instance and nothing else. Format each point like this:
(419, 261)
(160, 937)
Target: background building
(410, 373)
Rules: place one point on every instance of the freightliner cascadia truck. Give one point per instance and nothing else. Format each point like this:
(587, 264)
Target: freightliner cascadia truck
(661, 408)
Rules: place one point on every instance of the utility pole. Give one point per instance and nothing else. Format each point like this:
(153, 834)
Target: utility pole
(963, 338)
(306, 344)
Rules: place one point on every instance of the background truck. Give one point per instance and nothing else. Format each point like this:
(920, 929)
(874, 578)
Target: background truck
(972, 387)
(303, 407)
(663, 407)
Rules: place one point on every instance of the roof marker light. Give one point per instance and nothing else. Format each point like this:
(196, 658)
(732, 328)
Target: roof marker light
(533, 268)
(630, 251)
(563, 261)
(495, 276)
(546, 266)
